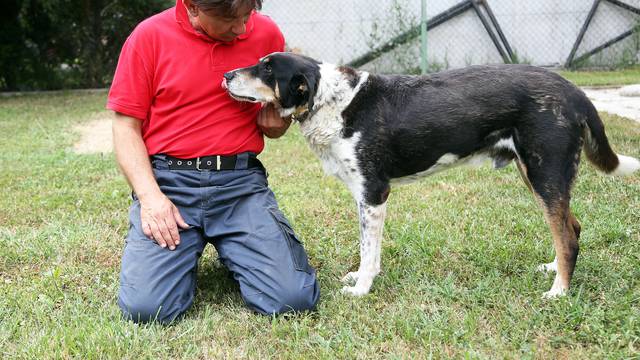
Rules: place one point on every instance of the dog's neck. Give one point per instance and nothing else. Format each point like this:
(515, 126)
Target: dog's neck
(336, 88)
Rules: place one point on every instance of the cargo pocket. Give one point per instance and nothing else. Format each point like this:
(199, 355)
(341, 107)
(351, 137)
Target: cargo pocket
(298, 255)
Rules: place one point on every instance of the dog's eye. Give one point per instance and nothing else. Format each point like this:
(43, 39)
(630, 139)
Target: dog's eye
(267, 68)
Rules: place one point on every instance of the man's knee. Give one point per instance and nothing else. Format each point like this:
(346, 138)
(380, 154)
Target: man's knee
(143, 308)
(286, 298)
(295, 299)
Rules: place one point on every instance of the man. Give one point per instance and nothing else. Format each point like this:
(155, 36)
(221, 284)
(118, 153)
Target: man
(189, 152)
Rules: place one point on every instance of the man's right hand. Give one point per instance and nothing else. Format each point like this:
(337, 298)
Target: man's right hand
(160, 220)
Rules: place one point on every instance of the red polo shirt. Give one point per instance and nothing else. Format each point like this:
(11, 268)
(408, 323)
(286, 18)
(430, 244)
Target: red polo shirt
(169, 76)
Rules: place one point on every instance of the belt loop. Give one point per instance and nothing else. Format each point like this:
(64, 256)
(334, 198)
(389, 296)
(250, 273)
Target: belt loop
(242, 161)
(159, 161)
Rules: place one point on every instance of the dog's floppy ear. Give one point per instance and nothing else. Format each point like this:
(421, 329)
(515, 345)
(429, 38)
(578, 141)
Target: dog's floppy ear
(300, 89)
(311, 85)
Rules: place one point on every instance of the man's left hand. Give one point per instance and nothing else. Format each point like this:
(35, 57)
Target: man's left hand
(270, 122)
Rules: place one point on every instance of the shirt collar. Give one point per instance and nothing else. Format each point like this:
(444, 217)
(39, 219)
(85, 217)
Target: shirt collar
(182, 18)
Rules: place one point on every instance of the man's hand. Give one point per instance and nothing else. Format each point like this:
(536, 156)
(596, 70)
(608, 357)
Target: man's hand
(158, 215)
(159, 218)
(270, 122)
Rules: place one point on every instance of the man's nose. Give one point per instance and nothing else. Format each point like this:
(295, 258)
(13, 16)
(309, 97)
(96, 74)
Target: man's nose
(230, 75)
(239, 28)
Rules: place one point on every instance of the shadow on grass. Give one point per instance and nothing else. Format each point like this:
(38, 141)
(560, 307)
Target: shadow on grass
(215, 284)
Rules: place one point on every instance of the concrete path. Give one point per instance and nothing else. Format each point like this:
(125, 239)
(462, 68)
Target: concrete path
(623, 101)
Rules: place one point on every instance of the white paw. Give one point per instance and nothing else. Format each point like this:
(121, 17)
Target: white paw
(351, 277)
(355, 290)
(554, 293)
(550, 267)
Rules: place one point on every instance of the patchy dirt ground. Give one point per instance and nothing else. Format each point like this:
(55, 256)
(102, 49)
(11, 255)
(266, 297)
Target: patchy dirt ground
(96, 136)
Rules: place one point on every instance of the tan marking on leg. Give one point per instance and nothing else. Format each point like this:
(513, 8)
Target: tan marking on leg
(522, 169)
(565, 240)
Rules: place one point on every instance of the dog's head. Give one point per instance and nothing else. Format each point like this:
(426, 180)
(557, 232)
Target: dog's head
(287, 80)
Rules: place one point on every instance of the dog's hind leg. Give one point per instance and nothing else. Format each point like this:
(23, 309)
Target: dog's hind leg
(548, 267)
(371, 225)
(553, 194)
(553, 266)
(565, 241)
(565, 230)
(549, 169)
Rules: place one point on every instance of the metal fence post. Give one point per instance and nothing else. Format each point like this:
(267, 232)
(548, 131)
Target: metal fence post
(423, 38)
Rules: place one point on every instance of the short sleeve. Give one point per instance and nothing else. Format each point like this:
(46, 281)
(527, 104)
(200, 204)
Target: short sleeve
(131, 90)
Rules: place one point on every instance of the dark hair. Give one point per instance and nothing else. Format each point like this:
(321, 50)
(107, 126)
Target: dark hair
(226, 8)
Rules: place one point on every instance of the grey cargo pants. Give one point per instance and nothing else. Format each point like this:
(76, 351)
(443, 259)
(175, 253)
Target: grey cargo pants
(236, 212)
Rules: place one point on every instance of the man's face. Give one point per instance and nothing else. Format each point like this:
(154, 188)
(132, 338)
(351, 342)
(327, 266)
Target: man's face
(218, 27)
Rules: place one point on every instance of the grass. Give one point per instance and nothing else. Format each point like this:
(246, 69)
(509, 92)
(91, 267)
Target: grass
(630, 75)
(458, 259)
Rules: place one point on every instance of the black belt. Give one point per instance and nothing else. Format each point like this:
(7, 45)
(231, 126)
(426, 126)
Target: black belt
(216, 162)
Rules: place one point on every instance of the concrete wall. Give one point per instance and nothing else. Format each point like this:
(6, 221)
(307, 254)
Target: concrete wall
(542, 32)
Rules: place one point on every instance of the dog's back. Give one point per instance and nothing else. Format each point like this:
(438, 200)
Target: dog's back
(463, 112)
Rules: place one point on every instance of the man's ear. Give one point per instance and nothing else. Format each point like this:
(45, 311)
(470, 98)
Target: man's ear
(192, 9)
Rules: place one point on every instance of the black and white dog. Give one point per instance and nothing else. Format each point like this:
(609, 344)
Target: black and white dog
(372, 131)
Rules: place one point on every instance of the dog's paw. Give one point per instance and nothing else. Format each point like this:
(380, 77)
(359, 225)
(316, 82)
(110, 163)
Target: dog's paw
(351, 278)
(547, 268)
(554, 293)
(355, 290)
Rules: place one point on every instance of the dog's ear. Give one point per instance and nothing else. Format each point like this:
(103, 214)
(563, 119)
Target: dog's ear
(301, 89)
(311, 84)
(286, 95)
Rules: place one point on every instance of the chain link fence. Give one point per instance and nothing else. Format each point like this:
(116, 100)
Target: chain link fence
(384, 35)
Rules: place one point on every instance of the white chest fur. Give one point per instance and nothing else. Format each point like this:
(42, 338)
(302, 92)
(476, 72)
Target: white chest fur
(323, 130)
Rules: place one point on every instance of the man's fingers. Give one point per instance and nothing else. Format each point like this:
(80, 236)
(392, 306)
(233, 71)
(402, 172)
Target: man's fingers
(166, 234)
(173, 232)
(157, 235)
(179, 220)
(146, 229)
(159, 218)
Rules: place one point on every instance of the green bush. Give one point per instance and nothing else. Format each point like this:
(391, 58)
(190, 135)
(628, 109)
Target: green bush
(61, 44)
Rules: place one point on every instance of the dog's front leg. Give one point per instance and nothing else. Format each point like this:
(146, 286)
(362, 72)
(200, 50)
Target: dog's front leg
(371, 225)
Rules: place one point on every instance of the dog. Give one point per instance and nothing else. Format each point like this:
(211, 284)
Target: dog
(373, 131)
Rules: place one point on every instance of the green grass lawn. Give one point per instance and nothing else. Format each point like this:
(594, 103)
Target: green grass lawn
(630, 75)
(459, 258)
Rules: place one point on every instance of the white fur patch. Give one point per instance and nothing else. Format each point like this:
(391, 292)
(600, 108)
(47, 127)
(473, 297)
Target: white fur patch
(549, 267)
(557, 289)
(323, 130)
(340, 160)
(371, 225)
(506, 144)
(446, 161)
(333, 95)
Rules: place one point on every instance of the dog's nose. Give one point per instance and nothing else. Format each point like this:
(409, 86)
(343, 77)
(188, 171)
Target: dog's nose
(229, 76)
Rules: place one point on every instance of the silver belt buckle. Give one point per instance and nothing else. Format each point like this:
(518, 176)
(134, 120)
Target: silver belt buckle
(218, 162)
(198, 163)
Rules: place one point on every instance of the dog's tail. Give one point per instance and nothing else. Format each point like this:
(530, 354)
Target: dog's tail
(599, 151)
